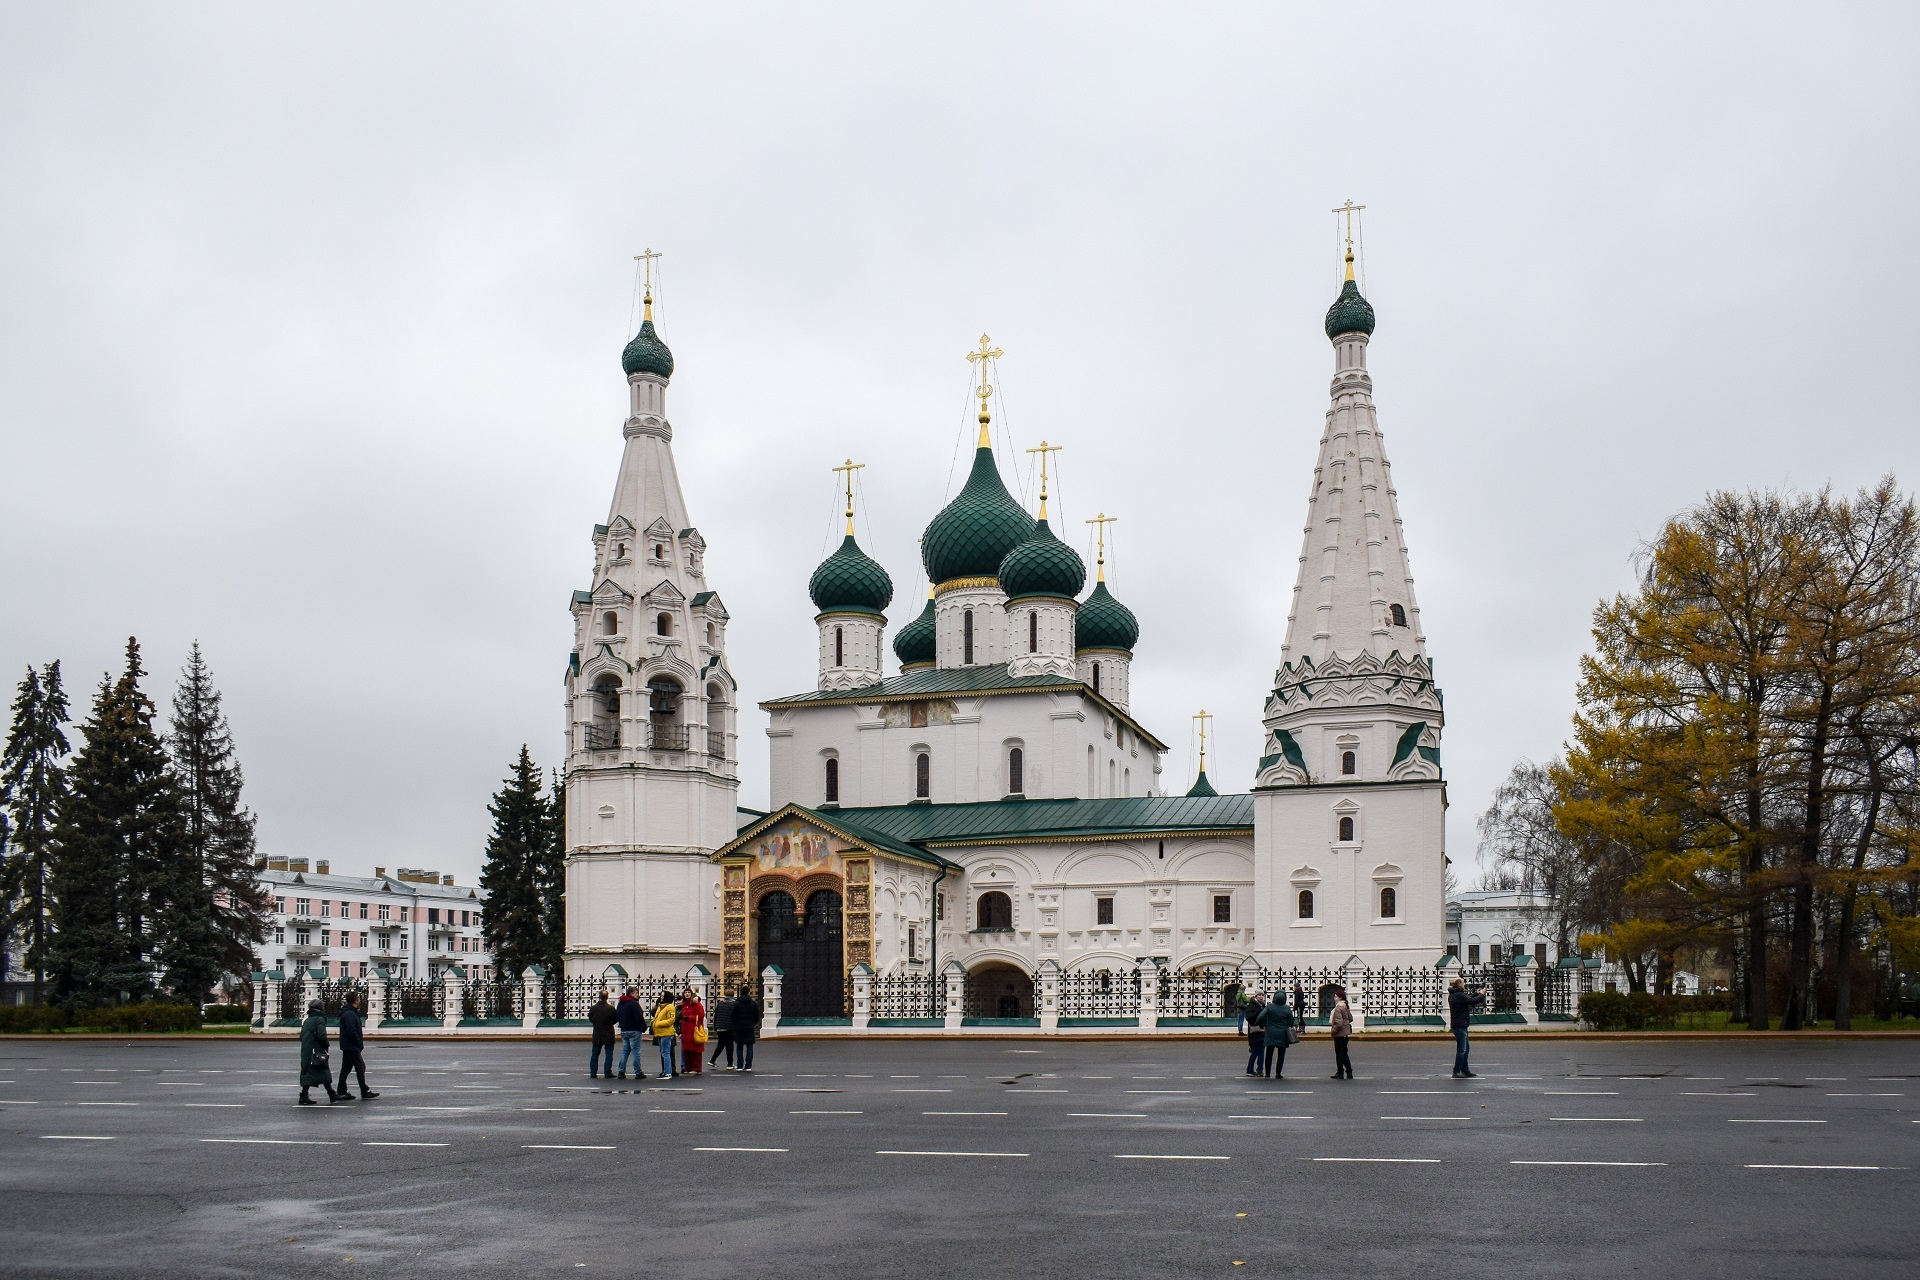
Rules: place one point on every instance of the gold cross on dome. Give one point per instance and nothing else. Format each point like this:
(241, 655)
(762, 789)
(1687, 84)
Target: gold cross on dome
(1348, 210)
(986, 352)
(1100, 523)
(1203, 717)
(646, 259)
(849, 467)
(1043, 450)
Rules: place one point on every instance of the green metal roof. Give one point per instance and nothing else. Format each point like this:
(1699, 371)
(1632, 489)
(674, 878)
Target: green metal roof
(940, 682)
(936, 826)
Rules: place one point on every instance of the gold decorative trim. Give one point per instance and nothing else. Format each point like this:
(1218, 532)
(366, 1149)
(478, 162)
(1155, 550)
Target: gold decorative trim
(961, 584)
(1047, 838)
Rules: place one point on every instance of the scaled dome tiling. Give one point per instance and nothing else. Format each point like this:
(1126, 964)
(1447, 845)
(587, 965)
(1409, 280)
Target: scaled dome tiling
(1105, 623)
(1042, 566)
(916, 643)
(647, 354)
(974, 532)
(1350, 313)
(850, 581)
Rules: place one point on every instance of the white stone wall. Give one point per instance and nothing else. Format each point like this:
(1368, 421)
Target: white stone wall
(851, 645)
(1053, 654)
(988, 606)
(1115, 677)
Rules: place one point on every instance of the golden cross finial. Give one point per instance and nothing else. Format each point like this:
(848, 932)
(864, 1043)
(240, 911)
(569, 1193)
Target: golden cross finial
(986, 352)
(646, 260)
(1100, 523)
(1043, 450)
(849, 467)
(1203, 716)
(1348, 210)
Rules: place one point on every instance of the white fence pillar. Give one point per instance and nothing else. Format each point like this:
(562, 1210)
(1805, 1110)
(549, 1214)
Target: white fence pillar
(956, 1000)
(376, 999)
(1354, 978)
(700, 978)
(1049, 995)
(862, 996)
(453, 988)
(309, 989)
(1147, 974)
(1526, 984)
(533, 995)
(266, 998)
(770, 979)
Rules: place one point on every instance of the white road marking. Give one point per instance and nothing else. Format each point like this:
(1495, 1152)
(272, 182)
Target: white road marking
(404, 1144)
(683, 1111)
(556, 1108)
(775, 1150)
(1602, 1119)
(1268, 1093)
(1864, 1168)
(1269, 1117)
(1600, 1164)
(558, 1146)
(1000, 1155)
(273, 1142)
(1173, 1157)
(106, 1104)
(213, 1104)
(1776, 1122)
(440, 1108)
(826, 1113)
(1866, 1095)
(1371, 1160)
(923, 1091)
(1424, 1092)
(74, 1137)
(100, 1082)
(1159, 1091)
(1580, 1093)
(164, 1084)
(1133, 1115)
(1049, 1091)
(1426, 1117)
(18, 1102)
(1717, 1095)
(963, 1113)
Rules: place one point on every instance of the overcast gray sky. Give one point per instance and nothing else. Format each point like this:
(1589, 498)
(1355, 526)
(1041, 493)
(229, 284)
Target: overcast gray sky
(312, 321)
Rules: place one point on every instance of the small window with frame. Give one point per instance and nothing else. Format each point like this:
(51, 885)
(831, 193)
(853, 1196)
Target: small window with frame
(1223, 908)
(1103, 909)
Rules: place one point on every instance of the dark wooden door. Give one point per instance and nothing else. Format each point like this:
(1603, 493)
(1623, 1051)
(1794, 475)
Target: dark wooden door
(807, 947)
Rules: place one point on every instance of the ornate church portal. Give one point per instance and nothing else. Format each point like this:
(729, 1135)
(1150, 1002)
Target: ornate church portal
(806, 944)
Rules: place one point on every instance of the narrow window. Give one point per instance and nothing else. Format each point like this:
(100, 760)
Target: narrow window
(709, 633)
(326, 907)
(913, 938)
(1387, 907)
(610, 623)
(1223, 908)
(663, 625)
(966, 638)
(1306, 904)
(1473, 953)
(1399, 616)
(1033, 632)
(1346, 762)
(1103, 910)
(839, 647)
(1496, 953)
(659, 552)
(1346, 828)
(922, 781)
(1091, 777)
(833, 781)
(1540, 954)
(1016, 772)
(1096, 677)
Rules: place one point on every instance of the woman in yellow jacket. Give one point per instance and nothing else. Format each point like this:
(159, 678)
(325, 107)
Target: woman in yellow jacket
(666, 1019)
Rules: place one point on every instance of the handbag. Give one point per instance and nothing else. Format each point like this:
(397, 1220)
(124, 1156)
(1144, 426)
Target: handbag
(1293, 1035)
(700, 1034)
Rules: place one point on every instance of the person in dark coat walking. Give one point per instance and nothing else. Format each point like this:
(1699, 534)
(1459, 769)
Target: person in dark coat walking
(350, 1046)
(722, 1034)
(1459, 1019)
(745, 1021)
(313, 1055)
(1340, 1023)
(1277, 1021)
(602, 1017)
(1255, 1033)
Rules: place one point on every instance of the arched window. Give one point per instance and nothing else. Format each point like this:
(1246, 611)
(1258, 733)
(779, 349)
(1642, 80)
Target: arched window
(994, 911)
(663, 710)
(833, 780)
(1016, 771)
(1033, 632)
(1399, 616)
(966, 638)
(663, 625)
(839, 647)
(1346, 762)
(610, 623)
(604, 732)
(1346, 828)
(1387, 903)
(1091, 776)
(659, 552)
(1096, 677)
(709, 633)
(922, 776)
(1306, 904)
(716, 722)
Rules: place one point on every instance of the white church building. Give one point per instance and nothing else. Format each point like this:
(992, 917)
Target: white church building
(988, 799)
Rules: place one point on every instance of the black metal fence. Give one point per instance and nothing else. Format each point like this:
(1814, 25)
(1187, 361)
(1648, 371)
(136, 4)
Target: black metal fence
(898, 996)
(416, 999)
(1211, 991)
(1100, 993)
(1498, 985)
(1557, 994)
(503, 998)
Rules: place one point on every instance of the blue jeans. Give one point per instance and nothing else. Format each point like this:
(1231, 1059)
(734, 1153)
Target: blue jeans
(630, 1048)
(1256, 1054)
(667, 1044)
(743, 1054)
(1460, 1051)
(593, 1059)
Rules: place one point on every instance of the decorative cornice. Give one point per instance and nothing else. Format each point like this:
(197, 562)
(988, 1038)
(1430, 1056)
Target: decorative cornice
(648, 426)
(963, 584)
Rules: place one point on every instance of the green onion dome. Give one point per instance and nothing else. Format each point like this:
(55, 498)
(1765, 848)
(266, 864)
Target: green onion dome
(1105, 623)
(914, 646)
(647, 354)
(849, 581)
(1201, 787)
(974, 532)
(1350, 313)
(1042, 566)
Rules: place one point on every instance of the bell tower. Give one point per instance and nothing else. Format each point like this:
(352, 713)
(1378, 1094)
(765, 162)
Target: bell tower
(652, 773)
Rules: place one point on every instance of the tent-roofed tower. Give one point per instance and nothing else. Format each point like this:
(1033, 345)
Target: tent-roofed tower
(1351, 799)
(652, 775)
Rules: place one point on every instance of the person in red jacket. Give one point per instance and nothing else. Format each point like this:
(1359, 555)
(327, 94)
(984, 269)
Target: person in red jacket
(693, 1019)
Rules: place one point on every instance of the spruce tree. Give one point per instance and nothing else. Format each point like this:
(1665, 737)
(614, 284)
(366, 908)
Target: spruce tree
(552, 879)
(220, 912)
(120, 836)
(31, 784)
(515, 925)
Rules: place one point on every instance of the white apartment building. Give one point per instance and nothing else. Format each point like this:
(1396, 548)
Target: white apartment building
(412, 924)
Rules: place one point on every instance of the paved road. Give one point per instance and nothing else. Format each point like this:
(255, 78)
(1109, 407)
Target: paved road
(978, 1159)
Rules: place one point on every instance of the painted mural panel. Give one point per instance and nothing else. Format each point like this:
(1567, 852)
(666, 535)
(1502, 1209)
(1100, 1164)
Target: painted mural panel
(791, 847)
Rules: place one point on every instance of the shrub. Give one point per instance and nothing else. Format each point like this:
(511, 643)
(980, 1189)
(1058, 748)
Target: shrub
(1617, 1010)
(154, 1016)
(32, 1017)
(224, 1013)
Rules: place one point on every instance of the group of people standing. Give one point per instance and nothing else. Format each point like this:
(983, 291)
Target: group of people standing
(1271, 1026)
(678, 1027)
